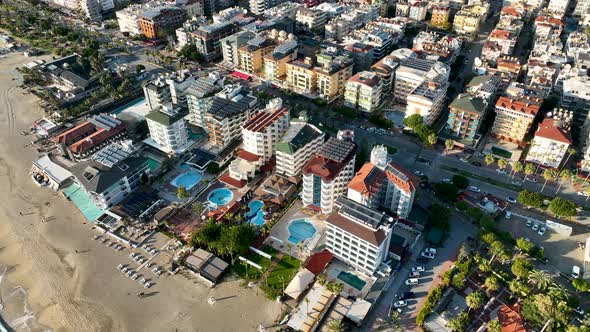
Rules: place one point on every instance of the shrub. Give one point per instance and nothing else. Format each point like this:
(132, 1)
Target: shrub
(460, 181)
(474, 213)
(530, 198)
(431, 300)
(562, 207)
(461, 206)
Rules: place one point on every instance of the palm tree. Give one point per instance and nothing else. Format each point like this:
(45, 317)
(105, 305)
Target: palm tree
(547, 175)
(529, 169)
(502, 163)
(336, 326)
(516, 167)
(322, 279)
(475, 300)
(395, 321)
(570, 152)
(431, 139)
(488, 159)
(540, 278)
(449, 144)
(564, 175)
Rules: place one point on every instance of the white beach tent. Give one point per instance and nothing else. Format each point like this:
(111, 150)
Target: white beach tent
(299, 283)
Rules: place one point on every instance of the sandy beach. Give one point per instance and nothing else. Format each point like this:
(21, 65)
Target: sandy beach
(66, 291)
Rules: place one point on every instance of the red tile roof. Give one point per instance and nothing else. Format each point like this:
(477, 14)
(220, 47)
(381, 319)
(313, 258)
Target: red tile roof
(264, 119)
(548, 129)
(248, 156)
(367, 180)
(225, 178)
(408, 185)
(517, 105)
(317, 262)
(500, 34)
(510, 320)
(512, 11)
(374, 237)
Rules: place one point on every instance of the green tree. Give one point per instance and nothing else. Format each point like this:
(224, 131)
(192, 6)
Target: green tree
(413, 121)
(562, 208)
(540, 279)
(449, 145)
(197, 208)
(488, 159)
(516, 167)
(431, 139)
(395, 321)
(459, 280)
(564, 176)
(494, 326)
(446, 191)
(139, 68)
(336, 326)
(492, 283)
(521, 267)
(518, 287)
(524, 245)
(489, 237)
(502, 163)
(190, 51)
(439, 216)
(485, 266)
(460, 181)
(529, 169)
(581, 285)
(497, 249)
(548, 174)
(475, 300)
(458, 323)
(530, 198)
(182, 193)
(537, 308)
(461, 206)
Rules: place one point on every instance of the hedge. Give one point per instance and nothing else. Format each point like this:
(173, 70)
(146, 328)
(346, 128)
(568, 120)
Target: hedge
(432, 298)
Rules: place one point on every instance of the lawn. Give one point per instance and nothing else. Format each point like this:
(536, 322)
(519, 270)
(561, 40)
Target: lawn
(280, 276)
(250, 273)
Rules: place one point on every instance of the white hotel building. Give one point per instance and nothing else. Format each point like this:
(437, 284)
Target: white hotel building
(260, 134)
(296, 147)
(359, 235)
(326, 175)
(168, 131)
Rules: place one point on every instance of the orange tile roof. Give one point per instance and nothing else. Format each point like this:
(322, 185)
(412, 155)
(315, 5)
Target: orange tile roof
(367, 180)
(248, 156)
(408, 184)
(501, 34)
(510, 320)
(517, 105)
(262, 120)
(512, 11)
(548, 129)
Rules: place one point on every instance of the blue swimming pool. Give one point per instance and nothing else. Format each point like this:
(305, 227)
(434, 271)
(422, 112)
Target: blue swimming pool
(220, 196)
(352, 279)
(255, 215)
(187, 180)
(300, 230)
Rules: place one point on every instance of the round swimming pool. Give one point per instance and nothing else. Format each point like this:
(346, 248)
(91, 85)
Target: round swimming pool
(255, 215)
(220, 196)
(300, 230)
(187, 180)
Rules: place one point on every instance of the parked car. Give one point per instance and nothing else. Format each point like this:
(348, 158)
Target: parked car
(530, 179)
(516, 183)
(475, 189)
(476, 163)
(501, 171)
(511, 199)
(447, 180)
(579, 310)
(428, 255)
(541, 231)
(400, 304)
(575, 272)
(418, 268)
(414, 274)
(463, 160)
(412, 281)
(535, 227)
(430, 250)
(583, 193)
(419, 173)
(528, 223)
(508, 215)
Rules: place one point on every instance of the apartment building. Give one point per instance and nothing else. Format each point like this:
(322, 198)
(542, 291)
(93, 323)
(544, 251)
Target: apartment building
(260, 134)
(363, 91)
(552, 139)
(311, 19)
(296, 148)
(433, 44)
(154, 22)
(440, 15)
(413, 71)
(251, 55)
(327, 173)
(332, 75)
(88, 137)
(466, 23)
(485, 87)
(230, 108)
(168, 131)
(286, 10)
(418, 10)
(111, 174)
(427, 99)
(230, 47)
(362, 55)
(514, 119)
(385, 70)
(168, 88)
(576, 97)
(200, 95)
(208, 38)
(301, 76)
(359, 236)
(259, 7)
(275, 62)
(383, 184)
(465, 115)
(505, 39)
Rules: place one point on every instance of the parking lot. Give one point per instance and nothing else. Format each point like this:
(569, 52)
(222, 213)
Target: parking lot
(562, 251)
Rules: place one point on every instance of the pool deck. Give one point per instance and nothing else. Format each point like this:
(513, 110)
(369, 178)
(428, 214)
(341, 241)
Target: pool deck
(281, 231)
(334, 270)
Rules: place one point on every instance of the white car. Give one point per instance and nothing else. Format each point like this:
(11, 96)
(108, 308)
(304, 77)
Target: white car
(511, 199)
(541, 231)
(400, 304)
(129, 273)
(134, 276)
(500, 171)
(132, 255)
(150, 264)
(155, 269)
(412, 281)
(418, 268)
(531, 179)
(153, 251)
(430, 250)
(120, 267)
(419, 173)
(575, 272)
(516, 183)
(447, 180)
(414, 274)
(474, 189)
(579, 310)
(147, 285)
(535, 227)
(528, 223)
(428, 255)
(463, 160)
(583, 193)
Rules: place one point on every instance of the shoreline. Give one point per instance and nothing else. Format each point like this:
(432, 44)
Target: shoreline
(68, 291)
